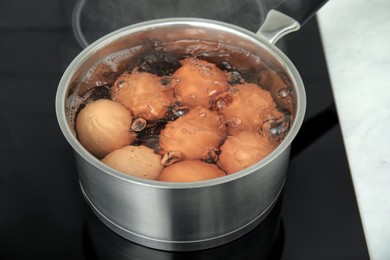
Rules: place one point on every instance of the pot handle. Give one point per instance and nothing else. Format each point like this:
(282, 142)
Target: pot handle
(288, 17)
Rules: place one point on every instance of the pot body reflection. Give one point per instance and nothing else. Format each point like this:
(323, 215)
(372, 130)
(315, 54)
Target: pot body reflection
(265, 241)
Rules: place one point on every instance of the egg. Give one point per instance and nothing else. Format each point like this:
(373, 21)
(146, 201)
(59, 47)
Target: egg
(143, 94)
(139, 161)
(245, 107)
(189, 171)
(243, 150)
(194, 134)
(103, 126)
(197, 81)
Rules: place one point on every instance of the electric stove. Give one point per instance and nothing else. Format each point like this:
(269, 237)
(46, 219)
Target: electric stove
(43, 214)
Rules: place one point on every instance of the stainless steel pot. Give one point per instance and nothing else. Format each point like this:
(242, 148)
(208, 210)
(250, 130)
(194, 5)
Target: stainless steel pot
(184, 216)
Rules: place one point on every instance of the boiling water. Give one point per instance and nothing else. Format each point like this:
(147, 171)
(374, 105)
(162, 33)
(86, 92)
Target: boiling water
(163, 60)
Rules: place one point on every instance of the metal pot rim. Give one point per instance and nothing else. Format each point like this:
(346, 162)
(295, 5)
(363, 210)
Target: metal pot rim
(198, 22)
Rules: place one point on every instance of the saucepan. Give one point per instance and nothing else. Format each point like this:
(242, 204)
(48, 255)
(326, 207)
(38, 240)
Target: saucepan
(189, 215)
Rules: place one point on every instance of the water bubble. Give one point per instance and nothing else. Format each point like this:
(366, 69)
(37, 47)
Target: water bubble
(202, 114)
(179, 111)
(235, 78)
(276, 129)
(235, 122)
(204, 69)
(170, 158)
(218, 83)
(122, 84)
(173, 82)
(184, 130)
(226, 64)
(221, 103)
(139, 124)
(283, 92)
(165, 81)
(193, 96)
(234, 90)
(212, 92)
(211, 155)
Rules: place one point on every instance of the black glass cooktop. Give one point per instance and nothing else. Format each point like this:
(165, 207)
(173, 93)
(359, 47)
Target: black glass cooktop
(42, 212)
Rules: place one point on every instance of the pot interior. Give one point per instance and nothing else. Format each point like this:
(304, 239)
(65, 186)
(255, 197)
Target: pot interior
(165, 42)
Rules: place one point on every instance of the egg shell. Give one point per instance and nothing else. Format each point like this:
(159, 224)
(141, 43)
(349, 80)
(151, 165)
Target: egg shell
(193, 134)
(190, 171)
(243, 150)
(138, 161)
(197, 81)
(143, 94)
(246, 107)
(103, 126)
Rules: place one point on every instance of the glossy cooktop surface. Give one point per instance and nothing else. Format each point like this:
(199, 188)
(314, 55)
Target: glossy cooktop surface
(43, 214)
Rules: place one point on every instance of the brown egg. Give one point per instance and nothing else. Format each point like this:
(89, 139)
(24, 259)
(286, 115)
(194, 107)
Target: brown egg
(194, 134)
(138, 161)
(197, 81)
(189, 171)
(103, 126)
(143, 94)
(243, 150)
(245, 107)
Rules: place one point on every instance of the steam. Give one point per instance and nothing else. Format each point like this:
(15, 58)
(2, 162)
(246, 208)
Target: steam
(94, 18)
